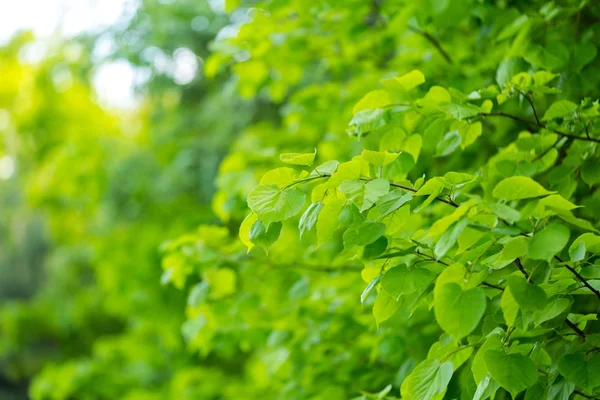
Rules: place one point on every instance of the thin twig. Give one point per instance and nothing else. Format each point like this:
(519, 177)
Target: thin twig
(522, 269)
(484, 283)
(492, 286)
(396, 185)
(578, 276)
(571, 325)
(529, 99)
(540, 125)
(434, 42)
(587, 396)
(454, 204)
(546, 151)
(575, 328)
(314, 267)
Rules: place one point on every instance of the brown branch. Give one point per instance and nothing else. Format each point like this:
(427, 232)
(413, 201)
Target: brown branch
(492, 286)
(396, 185)
(446, 264)
(539, 125)
(529, 99)
(578, 276)
(575, 328)
(454, 204)
(587, 396)
(434, 42)
(522, 269)
(546, 151)
(571, 325)
(314, 267)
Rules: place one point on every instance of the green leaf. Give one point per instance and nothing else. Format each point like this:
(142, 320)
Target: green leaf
(298, 158)
(448, 144)
(515, 248)
(428, 381)
(279, 176)
(435, 96)
(405, 82)
(222, 282)
(369, 288)
(375, 249)
(505, 212)
(309, 218)
(540, 78)
(514, 372)
(384, 307)
(510, 307)
(364, 195)
(519, 187)
(583, 54)
(434, 133)
(244, 232)
(486, 388)
(528, 296)
(536, 392)
(412, 145)
(441, 225)
(379, 158)
(328, 219)
(582, 371)
(328, 167)
(479, 367)
(590, 172)
(350, 216)
(584, 243)
(508, 68)
(470, 135)
(458, 312)
(372, 100)
(364, 234)
(446, 349)
(455, 273)
(553, 56)
(449, 238)
(401, 280)
(366, 121)
(561, 389)
(553, 309)
(272, 204)
(548, 242)
(460, 111)
(262, 236)
(389, 203)
(560, 109)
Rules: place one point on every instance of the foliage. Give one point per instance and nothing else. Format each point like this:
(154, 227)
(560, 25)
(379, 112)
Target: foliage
(422, 185)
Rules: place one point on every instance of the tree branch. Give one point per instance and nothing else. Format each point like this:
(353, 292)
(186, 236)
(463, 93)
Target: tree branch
(530, 100)
(396, 185)
(578, 276)
(454, 204)
(522, 269)
(539, 125)
(492, 286)
(434, 42)
(314, 267)
(571, 325)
